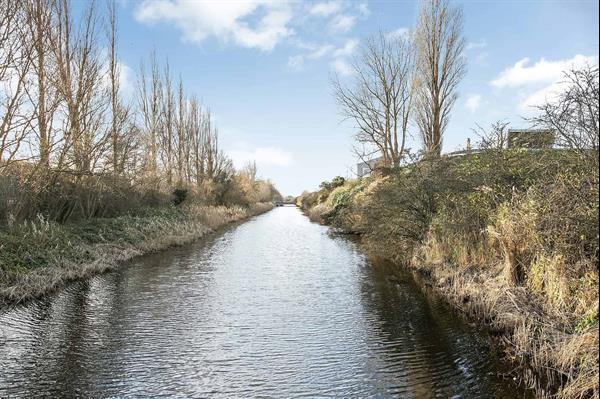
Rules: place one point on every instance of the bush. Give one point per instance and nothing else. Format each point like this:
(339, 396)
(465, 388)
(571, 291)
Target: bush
(179, 196)
(549, 235)
(319, 213)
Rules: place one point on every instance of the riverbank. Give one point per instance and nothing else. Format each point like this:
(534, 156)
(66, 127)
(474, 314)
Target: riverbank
(37, 257)
(508, 237)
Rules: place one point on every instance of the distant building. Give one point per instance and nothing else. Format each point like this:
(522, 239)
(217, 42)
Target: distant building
(364, 168)
(530, 138)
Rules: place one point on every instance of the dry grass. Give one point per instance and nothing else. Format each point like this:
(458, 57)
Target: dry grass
(317, 213)
(554, 358)
(37, 258)
(511, 239)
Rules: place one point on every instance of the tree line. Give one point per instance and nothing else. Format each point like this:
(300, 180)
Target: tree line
(410, 80)
(65, 121)
(400, 79)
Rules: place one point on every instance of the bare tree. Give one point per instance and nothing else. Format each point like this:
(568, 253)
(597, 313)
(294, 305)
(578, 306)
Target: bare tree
(196, 140)
(494, 138)
(574, 113)
(149, 102)
(15, 62)
(79, 83)
(380, 99)
(63, 119)
(441, 66)
(181, 127)
(42, 94)
(113, 73)
(250, 170)
(168, 123)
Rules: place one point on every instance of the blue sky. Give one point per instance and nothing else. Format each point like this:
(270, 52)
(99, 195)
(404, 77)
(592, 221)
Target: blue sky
(264, 68)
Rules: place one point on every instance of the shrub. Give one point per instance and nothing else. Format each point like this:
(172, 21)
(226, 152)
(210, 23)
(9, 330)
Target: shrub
(319, 213)
(179, 195)
(550, 235)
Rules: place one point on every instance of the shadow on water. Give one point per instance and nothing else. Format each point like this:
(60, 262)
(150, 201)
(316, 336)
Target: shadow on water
(275, 307)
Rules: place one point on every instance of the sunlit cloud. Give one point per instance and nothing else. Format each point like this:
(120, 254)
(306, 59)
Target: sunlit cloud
(523, 73)
(228, 21)
(343, 23)
(326, 8)
(540, 81)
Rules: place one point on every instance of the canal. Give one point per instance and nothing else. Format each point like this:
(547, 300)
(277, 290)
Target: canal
(274, 307)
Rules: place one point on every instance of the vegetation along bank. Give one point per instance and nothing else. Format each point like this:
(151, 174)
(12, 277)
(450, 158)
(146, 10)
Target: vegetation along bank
(506, 230)
(90, 177)
(508, 236)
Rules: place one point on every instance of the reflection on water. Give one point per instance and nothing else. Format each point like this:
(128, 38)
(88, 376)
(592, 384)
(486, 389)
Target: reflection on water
(274, 307)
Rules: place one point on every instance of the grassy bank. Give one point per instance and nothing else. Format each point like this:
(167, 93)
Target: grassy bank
(38, 256)
(508, 237)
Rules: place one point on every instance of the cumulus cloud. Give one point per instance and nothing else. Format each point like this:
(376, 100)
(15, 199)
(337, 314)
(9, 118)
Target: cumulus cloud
(347, 49)
(342, 67)
(325, 8)
(340, 63)
(539, 97)
(540, 81)
(522, 73)
(473, 102)
(260, 24)
(272, 156)
(343, 23)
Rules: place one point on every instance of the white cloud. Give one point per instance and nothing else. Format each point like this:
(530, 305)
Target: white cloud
(538, 82)
(398, 33)
(126, 79)
(262, 155)
(540, 96)
(476, 45)
(473, 102)
(342, 67)
(325, 9)
(126, 75)
(321, 51)
(314, 52)
(347, 50)
(343, 23)
(225, 20)
(363, 8)
(340, 57)
(521, 73)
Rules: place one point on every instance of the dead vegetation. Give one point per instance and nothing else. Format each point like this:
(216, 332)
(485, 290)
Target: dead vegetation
(509, 237)
(89, 177)
(39, 256)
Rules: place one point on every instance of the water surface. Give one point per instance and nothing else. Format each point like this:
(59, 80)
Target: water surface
(274, 307)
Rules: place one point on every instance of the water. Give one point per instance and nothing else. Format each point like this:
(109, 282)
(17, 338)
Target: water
(274, 307)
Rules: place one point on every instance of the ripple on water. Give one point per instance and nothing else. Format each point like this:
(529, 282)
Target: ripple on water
(275, 307)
